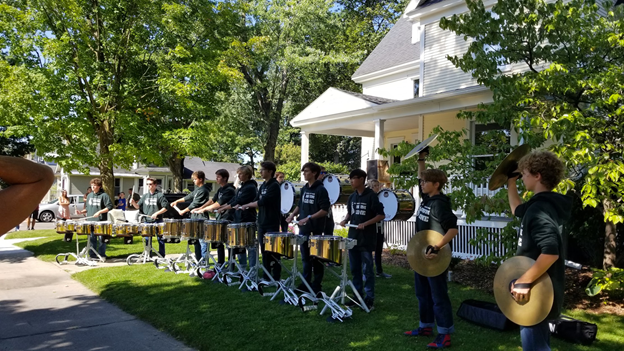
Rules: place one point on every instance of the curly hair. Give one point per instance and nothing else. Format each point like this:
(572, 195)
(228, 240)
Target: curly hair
(547, 164)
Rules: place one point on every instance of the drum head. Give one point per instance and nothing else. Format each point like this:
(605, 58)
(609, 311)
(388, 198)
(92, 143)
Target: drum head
(332, 184)
(390, 203)
(288, 197)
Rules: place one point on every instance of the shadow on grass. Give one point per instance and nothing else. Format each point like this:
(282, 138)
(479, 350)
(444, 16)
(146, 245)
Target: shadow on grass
(211, 316)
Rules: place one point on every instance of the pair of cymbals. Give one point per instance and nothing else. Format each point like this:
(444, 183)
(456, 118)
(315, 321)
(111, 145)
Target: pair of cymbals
(417, 250)
(541, 295)
(507, 166)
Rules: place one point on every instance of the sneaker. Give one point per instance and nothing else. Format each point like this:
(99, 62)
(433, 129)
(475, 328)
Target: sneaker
(104, 258)
(428, 331)
(383, 275)
(441, 341)
(370, 304)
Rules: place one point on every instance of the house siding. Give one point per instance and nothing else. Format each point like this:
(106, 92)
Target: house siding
(397, 86)
(439, 74)
(447, 120)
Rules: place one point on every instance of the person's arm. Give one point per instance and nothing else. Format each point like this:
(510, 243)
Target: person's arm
(422, 156)
(29, 182)
(108, 205)
(203, 207)
(292, 215)
(512, 194)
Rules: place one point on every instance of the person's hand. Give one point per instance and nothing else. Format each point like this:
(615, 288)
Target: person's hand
(424, 153)
(303, 221)
(290, 218)
(343, 223)
(432, 252)
(154, 216)
(521, 291)
(361, 226)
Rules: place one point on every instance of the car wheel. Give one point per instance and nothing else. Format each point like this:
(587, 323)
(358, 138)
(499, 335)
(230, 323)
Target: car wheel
(46, 216)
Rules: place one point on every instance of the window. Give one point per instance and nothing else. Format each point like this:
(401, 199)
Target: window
(493, 139)
(395, 159)
(117, 186)
(416, 87)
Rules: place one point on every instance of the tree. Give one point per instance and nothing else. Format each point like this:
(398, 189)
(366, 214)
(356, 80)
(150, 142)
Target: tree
(336, 149)
(13, 143)
(88, 78)
(570, 89)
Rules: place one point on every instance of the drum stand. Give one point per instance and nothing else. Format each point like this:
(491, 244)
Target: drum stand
(144, 256)
(287, 286)
(204, 264)
(188, 260)
(340, 293)
(234, 271)
(82, 257)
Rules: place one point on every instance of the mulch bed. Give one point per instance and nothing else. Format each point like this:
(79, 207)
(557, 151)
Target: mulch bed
(481, 277)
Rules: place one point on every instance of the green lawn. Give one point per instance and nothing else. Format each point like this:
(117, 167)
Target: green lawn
(211, 316)
(52, 244)
(22, 234)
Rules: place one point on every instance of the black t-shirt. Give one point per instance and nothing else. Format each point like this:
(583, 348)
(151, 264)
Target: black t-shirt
(224, 195)
(361, 208)
(269, 200)
(541, 232)
(435, 213)
(244, 195)
(313, 199)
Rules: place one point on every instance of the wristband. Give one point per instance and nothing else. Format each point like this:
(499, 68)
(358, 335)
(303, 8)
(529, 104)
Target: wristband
(309, 217)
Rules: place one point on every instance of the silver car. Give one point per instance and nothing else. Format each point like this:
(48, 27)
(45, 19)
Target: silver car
(50, 211)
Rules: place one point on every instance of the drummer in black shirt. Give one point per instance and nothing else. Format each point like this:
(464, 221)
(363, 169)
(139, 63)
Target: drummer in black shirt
(312, 210)
(363, 210)
(268, 201)
(223, 195)
(198, 198)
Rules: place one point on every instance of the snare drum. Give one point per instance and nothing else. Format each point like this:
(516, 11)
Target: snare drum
(338, 189)
(280, 243)
(327, 248)
(398, 204)
(241, 234)
(148, 229)
(187, 230)
(61, 227)
(103, 228)
(213, 232)
(83, 228)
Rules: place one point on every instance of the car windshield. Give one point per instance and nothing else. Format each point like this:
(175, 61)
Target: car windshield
(53, 201)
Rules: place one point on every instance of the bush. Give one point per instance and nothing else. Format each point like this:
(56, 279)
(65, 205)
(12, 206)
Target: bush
(610, 280)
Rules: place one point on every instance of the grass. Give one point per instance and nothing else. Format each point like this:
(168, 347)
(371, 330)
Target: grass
(23, 234)
(211, 316)
(52, 244)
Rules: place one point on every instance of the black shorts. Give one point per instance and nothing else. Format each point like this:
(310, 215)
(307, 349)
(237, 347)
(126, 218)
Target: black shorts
(35, 214)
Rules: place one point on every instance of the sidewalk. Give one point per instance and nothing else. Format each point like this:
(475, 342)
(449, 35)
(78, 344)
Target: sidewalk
(41, 307)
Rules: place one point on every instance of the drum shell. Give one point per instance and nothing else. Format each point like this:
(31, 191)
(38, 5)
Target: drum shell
(280, 243)
(70, 226)
(241, 234)
(405, 204)
(213, 232)
(288, 193)
(83, 228)
(338, 188)
(191, 229)
(171, 229)
(327, 248)
(121, 229)
(61, 227)
(222, 230)
(103, 228)
(148, 229)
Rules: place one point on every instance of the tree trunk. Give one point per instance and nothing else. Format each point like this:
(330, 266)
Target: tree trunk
(176, 166)
(252, 163)
(106, 164)
(610, 243)
(271, 143)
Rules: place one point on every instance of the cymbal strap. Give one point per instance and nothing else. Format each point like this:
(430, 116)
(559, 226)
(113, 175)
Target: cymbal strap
(430, 250)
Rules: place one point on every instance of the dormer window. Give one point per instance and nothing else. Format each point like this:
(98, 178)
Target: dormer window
(416, 87)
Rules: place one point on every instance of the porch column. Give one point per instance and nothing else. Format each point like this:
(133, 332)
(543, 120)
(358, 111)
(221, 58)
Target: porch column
(305, 149)
(379, 138)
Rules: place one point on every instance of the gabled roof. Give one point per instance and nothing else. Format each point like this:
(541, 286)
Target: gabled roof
(395, 48)
(335, 100)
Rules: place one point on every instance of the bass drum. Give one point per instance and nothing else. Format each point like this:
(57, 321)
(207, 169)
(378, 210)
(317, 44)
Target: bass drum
(338, 188)
(288, 192)
(398, 204)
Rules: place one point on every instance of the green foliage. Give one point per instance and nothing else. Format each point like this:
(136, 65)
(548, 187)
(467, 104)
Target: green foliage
(292, 170)
(336, 149)
(343, 232)
(611, 280)
(570, 88)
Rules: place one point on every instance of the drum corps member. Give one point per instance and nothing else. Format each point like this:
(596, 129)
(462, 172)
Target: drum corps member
(244, 195)
(435, 213)
(223, 195)
(153, 204)
(269, 202)
(540, 238)
(376, 187)
(312, 210)
(363, 210)
(97, 206)
(198, 198)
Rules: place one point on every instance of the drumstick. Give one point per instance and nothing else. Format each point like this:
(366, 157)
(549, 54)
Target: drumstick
(351, 225)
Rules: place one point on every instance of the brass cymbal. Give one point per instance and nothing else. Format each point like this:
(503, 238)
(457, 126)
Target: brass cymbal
(416, 254)
(420, 147)
(541, 296)
(509, 164)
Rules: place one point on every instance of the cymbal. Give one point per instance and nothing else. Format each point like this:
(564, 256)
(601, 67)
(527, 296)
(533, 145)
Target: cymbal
(416, 254)
(541, 296)
(420, 147)
(509, 164)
